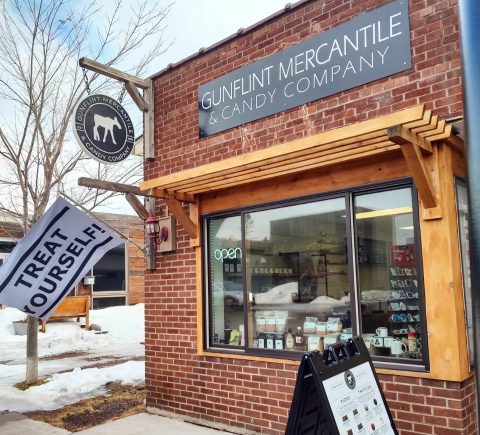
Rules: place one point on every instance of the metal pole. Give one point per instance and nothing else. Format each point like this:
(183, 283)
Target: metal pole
(470, 40)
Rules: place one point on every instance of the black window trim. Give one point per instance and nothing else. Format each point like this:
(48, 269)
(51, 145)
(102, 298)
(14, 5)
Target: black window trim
(348, 193)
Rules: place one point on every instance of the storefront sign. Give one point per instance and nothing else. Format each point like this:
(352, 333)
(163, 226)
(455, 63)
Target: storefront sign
(52, 258)
(369, 47)
(221, 254)
(103, 129)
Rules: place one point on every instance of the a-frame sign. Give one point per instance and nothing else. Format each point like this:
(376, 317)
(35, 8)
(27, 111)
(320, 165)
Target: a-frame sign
(338, 393)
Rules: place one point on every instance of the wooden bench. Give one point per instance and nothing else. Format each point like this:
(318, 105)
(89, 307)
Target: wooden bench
(71, 307)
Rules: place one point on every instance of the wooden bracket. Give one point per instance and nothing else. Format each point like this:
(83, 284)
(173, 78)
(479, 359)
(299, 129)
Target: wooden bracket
(415, 161)
(195, 217)
(402, 135)
(137, 205)
(136, 96)
(176, 207)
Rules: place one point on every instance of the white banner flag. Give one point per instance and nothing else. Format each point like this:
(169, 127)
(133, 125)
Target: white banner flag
(52, 258)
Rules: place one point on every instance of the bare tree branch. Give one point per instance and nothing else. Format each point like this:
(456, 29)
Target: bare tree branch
(40, 86)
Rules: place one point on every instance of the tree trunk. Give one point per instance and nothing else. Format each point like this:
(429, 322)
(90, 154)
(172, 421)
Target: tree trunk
(32, 350)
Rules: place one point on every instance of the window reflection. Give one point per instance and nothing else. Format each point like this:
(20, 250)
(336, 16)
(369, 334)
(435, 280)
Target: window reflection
(297, 276)
(387, 274)
(226, 281)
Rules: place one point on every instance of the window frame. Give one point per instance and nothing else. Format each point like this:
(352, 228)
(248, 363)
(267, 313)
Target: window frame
(352, 271)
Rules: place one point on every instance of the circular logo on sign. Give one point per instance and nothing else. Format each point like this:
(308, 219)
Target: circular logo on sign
(103, 128)
(350, 379)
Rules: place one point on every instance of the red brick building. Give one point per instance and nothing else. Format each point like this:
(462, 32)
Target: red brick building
(343, 214)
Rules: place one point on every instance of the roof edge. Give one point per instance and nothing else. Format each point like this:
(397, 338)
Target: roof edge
(240, 32)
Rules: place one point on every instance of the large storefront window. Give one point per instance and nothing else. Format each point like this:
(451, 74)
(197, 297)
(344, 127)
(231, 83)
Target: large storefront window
(296, 269)
(388, 282)
(297, 277)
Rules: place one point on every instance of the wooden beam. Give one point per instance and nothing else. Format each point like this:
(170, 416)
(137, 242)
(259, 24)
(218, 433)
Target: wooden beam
(158, 192)
(427, 116)
(456, 142)
(127, 188)
(401, 135)
(414, 158)
(110, 186)
(279, 164)
(447, 133)
(334, 160)
(114, 73)
(258, 158)
(136, 97)
(441, 128)
(137, 205)
(415, 163)
(182, 217)
(427, 127)
(290, 167)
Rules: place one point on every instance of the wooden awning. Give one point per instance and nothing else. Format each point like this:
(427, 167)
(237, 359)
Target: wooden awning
(412, 130)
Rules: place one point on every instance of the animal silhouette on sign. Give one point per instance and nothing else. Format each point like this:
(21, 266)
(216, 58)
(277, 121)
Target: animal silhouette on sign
(107, 124)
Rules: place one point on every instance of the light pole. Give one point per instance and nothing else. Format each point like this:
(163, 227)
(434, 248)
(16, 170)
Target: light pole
(470, 41)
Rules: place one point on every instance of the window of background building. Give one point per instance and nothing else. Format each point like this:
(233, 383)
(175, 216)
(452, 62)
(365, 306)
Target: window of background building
(110, 288)
(110, 271)
(463, 230)
(281, 278)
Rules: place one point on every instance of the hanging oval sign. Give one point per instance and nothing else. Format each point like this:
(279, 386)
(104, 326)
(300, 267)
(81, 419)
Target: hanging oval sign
(103, 128)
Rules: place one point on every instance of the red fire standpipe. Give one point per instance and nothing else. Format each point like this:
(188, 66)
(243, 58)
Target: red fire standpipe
(470, 39)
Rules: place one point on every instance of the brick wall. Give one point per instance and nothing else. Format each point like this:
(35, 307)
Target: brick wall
(255, 396)
(424, 406)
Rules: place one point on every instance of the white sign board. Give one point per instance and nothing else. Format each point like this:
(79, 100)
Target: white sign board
(52, 258)
(357, 403)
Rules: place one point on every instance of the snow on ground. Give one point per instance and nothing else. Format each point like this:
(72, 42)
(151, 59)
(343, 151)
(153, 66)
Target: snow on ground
(66, 388)
(125, 332)
(124, 325)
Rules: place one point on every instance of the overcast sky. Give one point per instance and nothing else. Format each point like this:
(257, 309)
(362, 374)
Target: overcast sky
(193, 24)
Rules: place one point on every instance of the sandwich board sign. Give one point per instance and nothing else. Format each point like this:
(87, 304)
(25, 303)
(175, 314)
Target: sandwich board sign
(52, 258)
(103, 129)
(338, 393)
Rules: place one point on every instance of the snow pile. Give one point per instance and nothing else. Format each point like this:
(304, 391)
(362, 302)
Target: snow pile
(281, 294)
(325, 300)
(7, 316)
(124, 325)
(65, 388)
(66, 381)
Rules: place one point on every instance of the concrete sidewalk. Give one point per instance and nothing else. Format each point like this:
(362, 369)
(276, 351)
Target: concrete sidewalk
(13, 423)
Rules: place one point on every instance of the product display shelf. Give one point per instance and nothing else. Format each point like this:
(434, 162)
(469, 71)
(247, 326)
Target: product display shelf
(404, 290)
